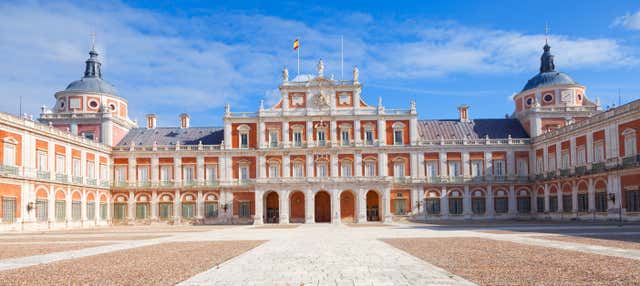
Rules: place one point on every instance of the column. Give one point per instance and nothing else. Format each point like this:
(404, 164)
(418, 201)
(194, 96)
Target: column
(512, 200)
(334, 135)
(132, 172)
(511, 162)
(546, 198)
(200, 206)
(51, 205)
(309, 207)
(283, 207)
(177, 200)
(155, 170)
(574, 197)
(589, 149)
(413, 157)
(420, 197)
(361, 205)
(262, 166)
(386, 199)
(286, 165)
(83, 207)
(257, 218)
(309, 133)
(491, 211)
(466, 170)
(534, 202)
(132, 206)
(356, 130)
(154, 205)
(421, 166)
(335, 206)
(488, 164)
(591, 193)
(358, 164)
(560, 202)
(413, 130)
(466, 202)
(333, 162)
(177, 170)
(310, 166)
(285, 134)
(261, 134)
(444, 202)
(572, 153)
(414, 201)
(382, 164)
(200, 170)
(545, 159)
(444, 171)
(382, 132)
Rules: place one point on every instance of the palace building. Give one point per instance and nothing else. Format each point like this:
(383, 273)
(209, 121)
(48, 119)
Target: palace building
(321, 154)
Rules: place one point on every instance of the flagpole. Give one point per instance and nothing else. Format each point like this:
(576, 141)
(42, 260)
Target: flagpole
(298, 50)
(341, 58)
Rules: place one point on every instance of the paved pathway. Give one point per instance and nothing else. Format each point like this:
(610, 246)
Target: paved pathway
(326, 255)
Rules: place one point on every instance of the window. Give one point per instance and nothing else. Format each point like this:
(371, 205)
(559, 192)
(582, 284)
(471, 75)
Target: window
(43, 161)
(88, 135)
(189, 175)
(298, 169)
(273, 138)
(41, 210)
(165, 173)
(143, 174)
(274, 169)
(91, 210)
(60, 164)
(370, 168)
(244, 173)
(345, 137)
(104, 173)
(119, 211)
(432, 169)
(580, 156)
(9, 156)
(211, 209)
(601, 201)
(476, 168)
(188, 210)
(76, 208)
(455, 206)
(583, 202)
(553, 203)
(321, 138)
(142, 210)
(368, 137)
(321, 169)
(564, 159)
(91, 169)
(630, 147)
(433, 205)
(398, 168)
(76, 167)
(60, 210)
(103, 211)
(454, 168)
(400, 205)
(567, 203)
(552, 162)
(244, 209)
(540, 204)
(498, 168)
(346, 168)
(539, 165)
(598, 151)
(524, 205)
(166, 210)
(121, 174)
(501, 205)
(548, 98)
(633, 201)
(8, 209)
(397, 137)
(523, 167)
(478, 205)
(244, 140)
(297, 138)
(211, 173)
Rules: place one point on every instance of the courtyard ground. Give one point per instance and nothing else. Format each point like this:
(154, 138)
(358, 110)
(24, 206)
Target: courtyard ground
(484, 253)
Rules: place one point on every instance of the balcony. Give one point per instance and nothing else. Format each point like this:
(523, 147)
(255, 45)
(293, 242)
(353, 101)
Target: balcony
(433, 180)
(92, 182)
(44, 175)
(211, 183)
(580, 170)
(456, 179)
(76, 180)
(104, 183)
(244, 182)
(597, 167)
(539, 177)
(551, 175)
(477, 179)
(166, 184)
(631, 161)
(189, 183)
(9, 170)
(120, 184)
(144, 184)
(522, 178)
(499, 178)
(62, 178)
(402, 180)
(322, 143)
(564, 173)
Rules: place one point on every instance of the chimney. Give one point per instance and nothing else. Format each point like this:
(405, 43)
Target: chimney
(184, 120)
(463, 111)
(151, 121)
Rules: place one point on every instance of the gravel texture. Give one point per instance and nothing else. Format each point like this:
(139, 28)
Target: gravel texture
(22, 250)
(489, 262)
(619, 241)
(161, 264)
(276, 226)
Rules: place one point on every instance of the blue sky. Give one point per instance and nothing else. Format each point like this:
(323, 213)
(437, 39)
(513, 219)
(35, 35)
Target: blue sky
(194, 57)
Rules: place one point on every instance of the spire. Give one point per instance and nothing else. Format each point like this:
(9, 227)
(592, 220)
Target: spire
(92, 68)
(546, 60)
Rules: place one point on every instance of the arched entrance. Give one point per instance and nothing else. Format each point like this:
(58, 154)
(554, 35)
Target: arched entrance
(347, 206)
(373, 206)
(323, 207)
(272, 209)
(296, 207)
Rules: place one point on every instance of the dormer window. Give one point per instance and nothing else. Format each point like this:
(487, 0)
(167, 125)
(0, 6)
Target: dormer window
(243, 131)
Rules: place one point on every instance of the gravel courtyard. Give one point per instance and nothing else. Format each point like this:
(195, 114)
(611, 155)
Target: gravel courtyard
(323, 254)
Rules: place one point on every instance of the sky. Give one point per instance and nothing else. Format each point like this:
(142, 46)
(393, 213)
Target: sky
(172, 57)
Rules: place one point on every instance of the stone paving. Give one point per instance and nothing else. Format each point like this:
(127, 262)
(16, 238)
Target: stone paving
(325, 254)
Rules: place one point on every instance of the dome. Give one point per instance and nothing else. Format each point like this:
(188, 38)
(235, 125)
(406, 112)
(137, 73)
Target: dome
(93, 84)
(92, 80)
(548, 79)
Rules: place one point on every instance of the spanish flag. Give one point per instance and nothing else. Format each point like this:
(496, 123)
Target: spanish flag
(296, 44)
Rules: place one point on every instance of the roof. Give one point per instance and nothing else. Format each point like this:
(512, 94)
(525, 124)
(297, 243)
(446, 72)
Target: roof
(94, 84)
(547, 79)
(474, 129)
(173, 135)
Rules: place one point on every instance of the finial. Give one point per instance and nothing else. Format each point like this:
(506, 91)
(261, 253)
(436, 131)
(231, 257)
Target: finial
(93, 41)
(356, 73)
(285, 74)
(546, 32)
(320, 68)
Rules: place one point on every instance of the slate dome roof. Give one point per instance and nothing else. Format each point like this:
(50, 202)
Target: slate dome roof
(548, 75)
(92, 79)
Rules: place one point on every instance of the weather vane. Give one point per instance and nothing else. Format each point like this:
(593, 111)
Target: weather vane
(93, 40)
(546, 32)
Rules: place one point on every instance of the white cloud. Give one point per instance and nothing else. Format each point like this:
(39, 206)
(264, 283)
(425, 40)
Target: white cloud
(628, 21)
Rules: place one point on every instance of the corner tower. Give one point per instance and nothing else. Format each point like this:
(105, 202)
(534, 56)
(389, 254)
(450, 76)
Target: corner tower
(551, 99)
(90, 107)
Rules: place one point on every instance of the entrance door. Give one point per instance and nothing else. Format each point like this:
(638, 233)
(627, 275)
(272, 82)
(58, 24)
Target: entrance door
(373, 206)
(347, 206)
(323, 207)
(273, 212)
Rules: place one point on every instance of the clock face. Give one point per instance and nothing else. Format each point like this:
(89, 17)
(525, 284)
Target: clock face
(566, 96)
